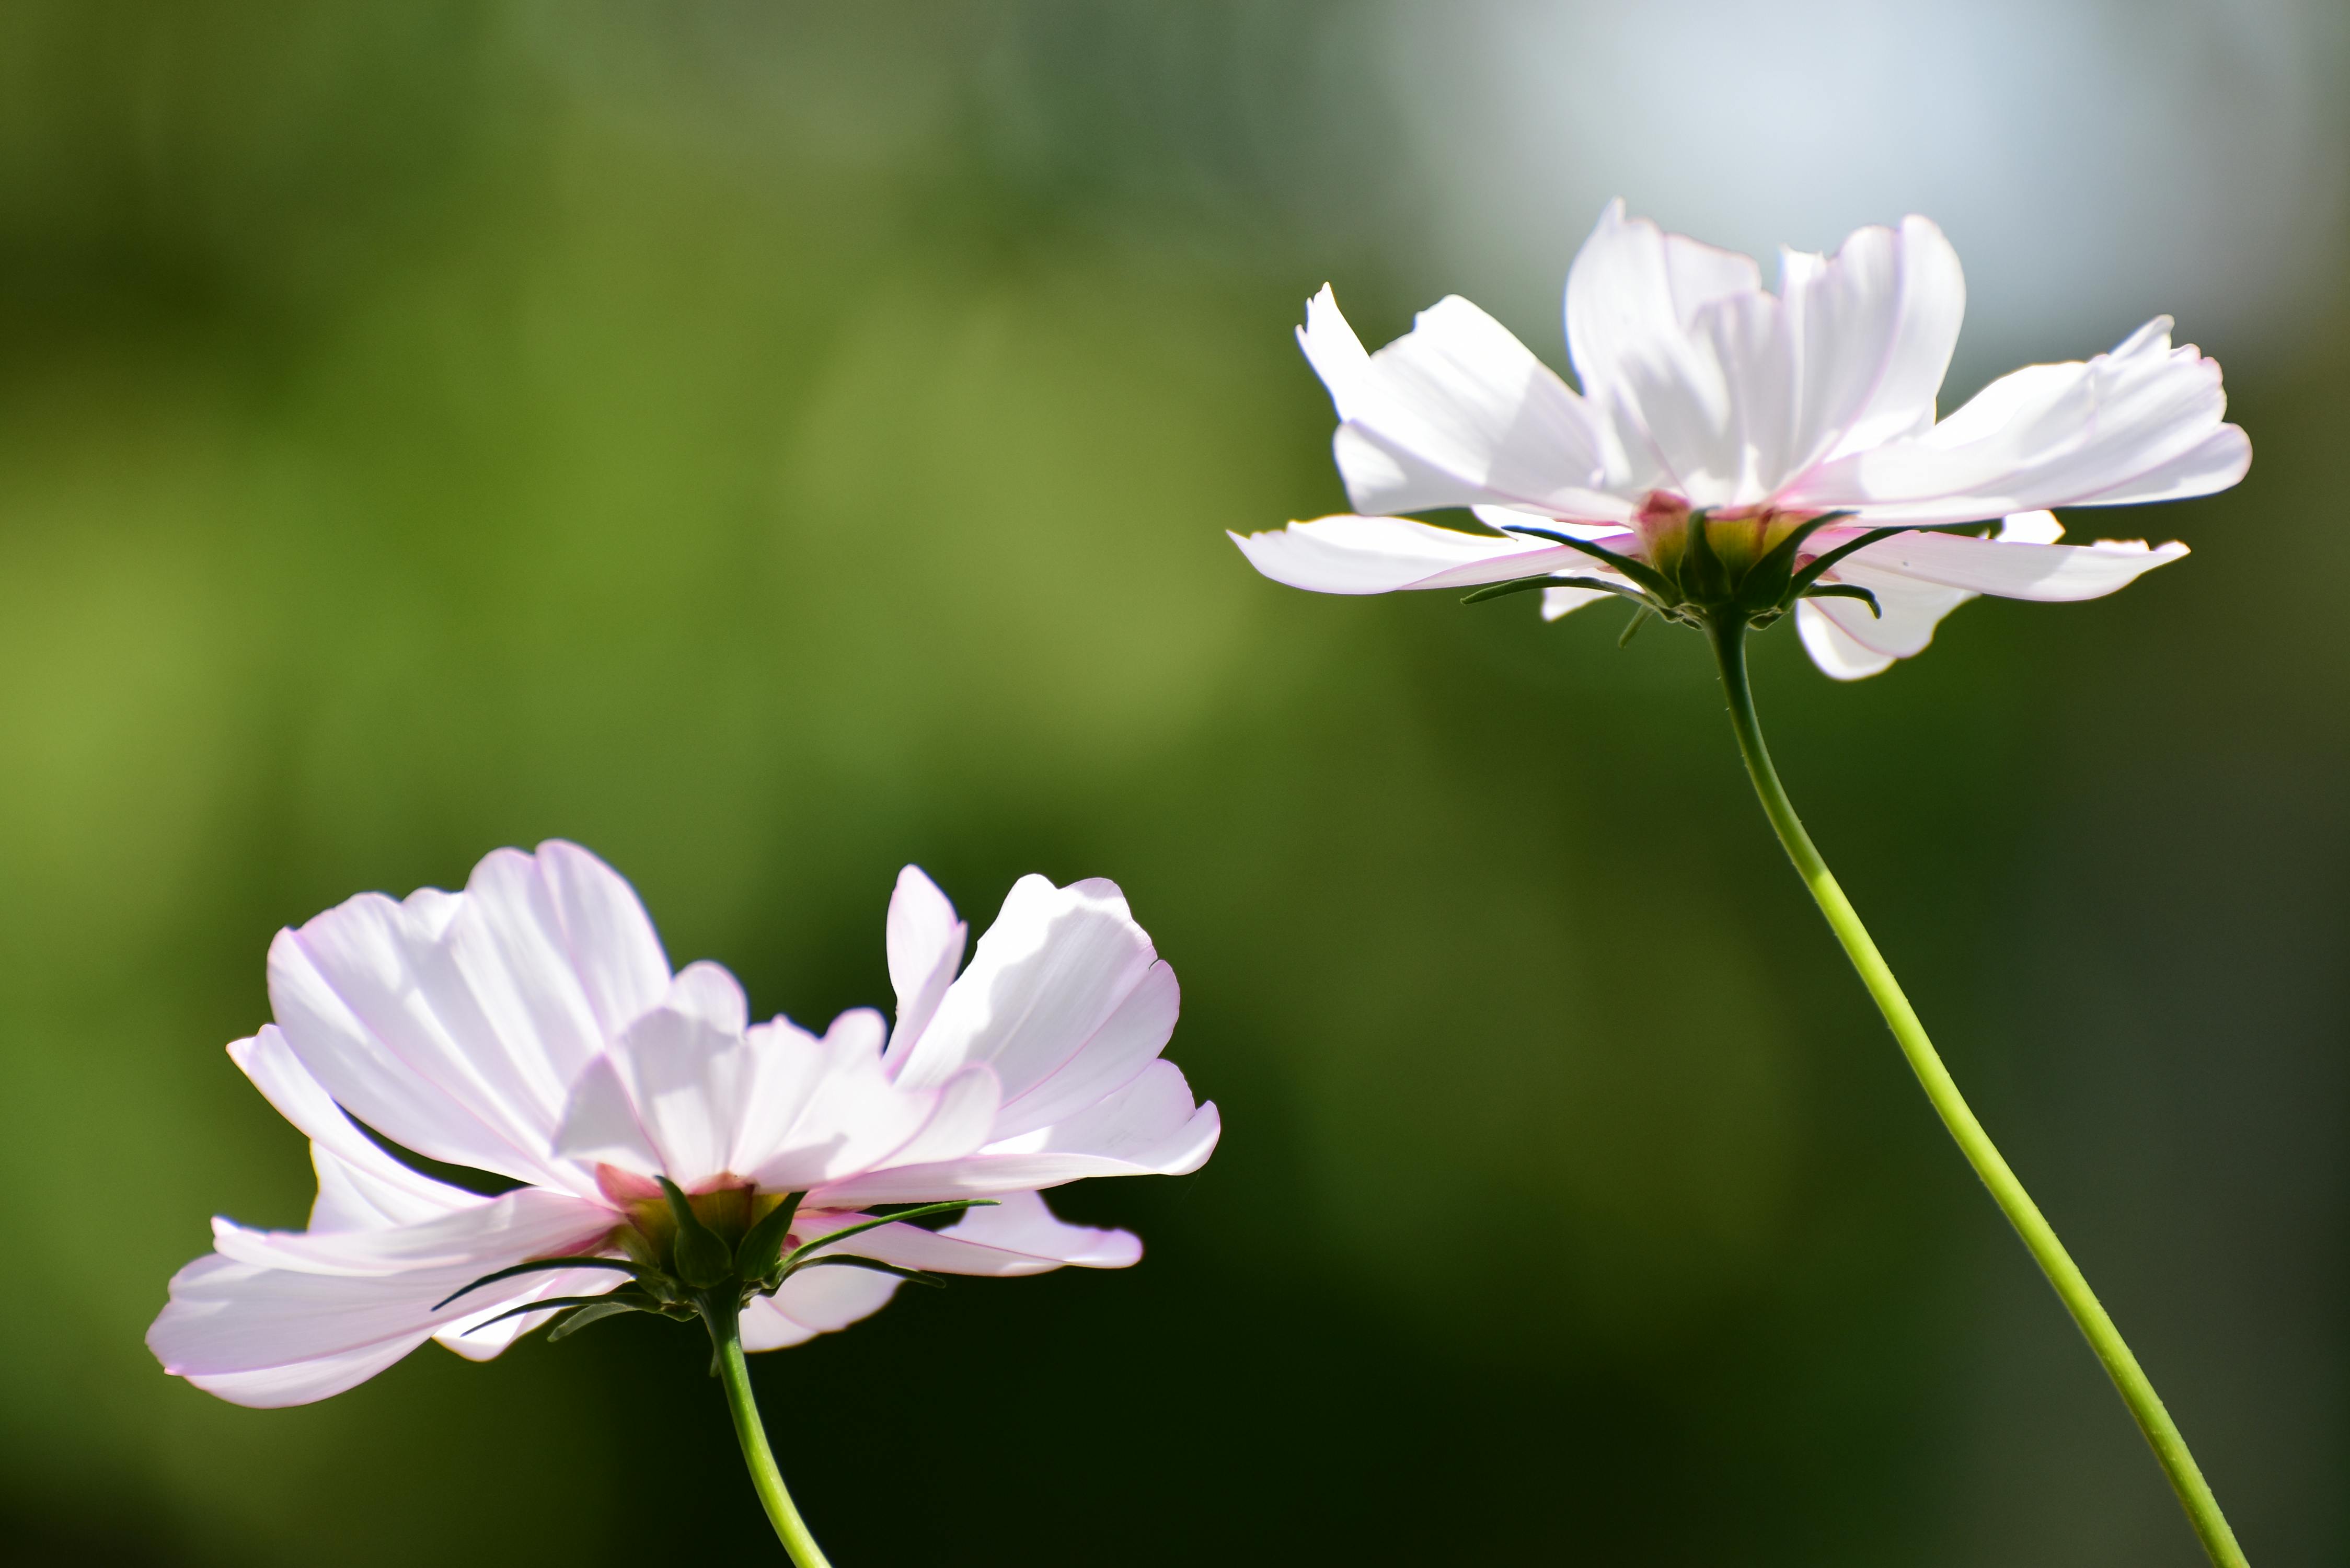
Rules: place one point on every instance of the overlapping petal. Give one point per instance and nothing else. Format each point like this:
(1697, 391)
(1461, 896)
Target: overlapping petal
(313, 1307)
(1458, 412)
(456, 1024)
(445, 1019)
(1735, 391)
(1019, 1235)
(1348, 555)
(2145, 422)
(1702, 388)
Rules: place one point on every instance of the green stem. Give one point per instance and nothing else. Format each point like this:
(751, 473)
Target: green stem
(2129, 1379)
(734, 1373)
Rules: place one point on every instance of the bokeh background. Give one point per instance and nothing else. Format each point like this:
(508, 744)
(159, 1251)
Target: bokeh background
(771, 442)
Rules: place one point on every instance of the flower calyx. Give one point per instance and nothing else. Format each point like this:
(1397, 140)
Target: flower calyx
(1703, 569)
(706, 1255)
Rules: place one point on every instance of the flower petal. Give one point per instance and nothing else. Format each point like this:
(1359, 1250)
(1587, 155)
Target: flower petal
(305, 1382)
(1635, 296)
(854, 1116)
(1019, 1236)
(1350, 555)
(1836, 654)
(1455, 413)
(1151, 1127)
(2142, 423)
(686, 1072)
(347, 1303)
(457, 1024)
(1908, 613)
(1735, 391)
(926, 947)
(814, 1302)
(358, 1183)
(2009, 568)
(1065, 999)
(1125, 1043)
(1874, 326)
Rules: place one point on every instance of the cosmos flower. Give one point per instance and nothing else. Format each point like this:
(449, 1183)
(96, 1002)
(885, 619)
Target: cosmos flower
(531, 1027)
(1711, 404)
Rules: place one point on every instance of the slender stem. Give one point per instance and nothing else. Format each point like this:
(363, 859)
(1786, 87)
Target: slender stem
(2129, 1379)
(734, 1373)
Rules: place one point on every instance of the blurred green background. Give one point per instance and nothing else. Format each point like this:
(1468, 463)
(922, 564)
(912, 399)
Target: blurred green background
(770, 443)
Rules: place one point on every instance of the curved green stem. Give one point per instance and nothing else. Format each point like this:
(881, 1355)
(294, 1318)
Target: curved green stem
(734, 1373)
(2145, 1404)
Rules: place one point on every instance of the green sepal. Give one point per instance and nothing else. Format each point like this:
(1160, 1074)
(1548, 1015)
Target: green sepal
(1778, 563)
(703, 1259)
(1526, 584)
(1703, 576)
(1640, 572)
(857, 1229)
(762, 1252)
(547, 1304)
(1847, 591)
(580, 1319)
(1631, 627)
(540, 1266)
(912, 1276)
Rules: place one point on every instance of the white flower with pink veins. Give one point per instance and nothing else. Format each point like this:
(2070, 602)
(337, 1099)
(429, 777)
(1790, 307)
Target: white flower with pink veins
(530, 1026)
(1704, 394)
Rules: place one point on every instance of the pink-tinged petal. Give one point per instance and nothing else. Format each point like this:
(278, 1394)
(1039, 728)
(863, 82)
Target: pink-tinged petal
(1647, 344)
(1019, 1236)
(1022, 1224)
(602, 1126)
(1151, 1122)
(789, 1066)
(1149, 1127)
(2142, 423)
(1350, 555)
(529, 1222)
(1124, 1044)
(305, 1382)
(1506, 517)
(605, 933)
(1908, 614)
(964, 1119)
(814, 1302)
(478, 1338)
(279, 1300)
(855, 1116)
(687, 1071)
(1873, 327)
(1850, 644)
(355, 1197)
(1458, 412)
(1837, 655)
(2010, 568)
(1735, 391)
(1049, 975)
(440, 1108)
(358, 1181)
(2218, 461)
(457, 1024)
(926, 947)
(764, 1328)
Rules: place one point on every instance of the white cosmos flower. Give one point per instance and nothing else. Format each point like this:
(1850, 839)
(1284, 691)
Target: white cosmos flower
(1700, 389)
(531, 1026)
